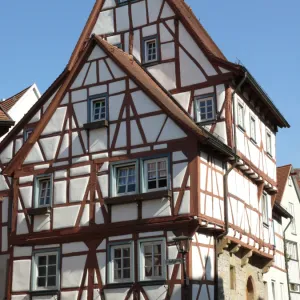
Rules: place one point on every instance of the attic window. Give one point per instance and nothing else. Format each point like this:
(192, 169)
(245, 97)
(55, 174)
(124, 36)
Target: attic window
(205, 108)
(150, 53)
(27, 133)
(98, 108)
(123, 1)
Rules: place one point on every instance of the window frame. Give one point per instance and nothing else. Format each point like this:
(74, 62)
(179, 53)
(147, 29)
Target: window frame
(114, 177)
(242, 106)
(37, 180)
(232, 276)
(34, 268)
(141, 259)
(112, 246)
(144, 173)
(296, 249)
(96, 98)
(203, 98)
(273, 289)
(252, 117)
(269, 138)
(265, 209)
(25, 134)
(122, 3)
(145, 54)
(291, 210)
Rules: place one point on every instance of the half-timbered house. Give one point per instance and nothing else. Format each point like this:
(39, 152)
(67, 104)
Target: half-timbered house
(149, 133)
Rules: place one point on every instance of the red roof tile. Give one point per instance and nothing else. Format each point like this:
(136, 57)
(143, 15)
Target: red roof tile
(10, 102)
(282, 177)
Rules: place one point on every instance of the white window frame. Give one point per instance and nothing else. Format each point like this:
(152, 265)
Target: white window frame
(27, 133)
(265, 209)
(292, 246)
(204, 98)
(146, 41)
(111, 262)
(291, 210)
(145, 177)
(273, 288)
(240, 117)
(269, 142)
(142, 243)
(292, 285)
(290, 180)
(35, 257)
(92, 102)
(252, 128)
(37, 190)
(118, 166)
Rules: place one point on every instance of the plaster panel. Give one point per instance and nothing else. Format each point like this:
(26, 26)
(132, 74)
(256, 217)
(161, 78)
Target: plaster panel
(136, 138)
(21, 275)
(79, 95)
(136, 47)
(80, 170)
(154, 7)
(117, 293)
(98, 140)
(74, 247)
(185, 204)
(22, 251)
(105, 23)
(64, 148)
(138, 11)
(76, 145)
(167, 51)
(97, 53)
(156, 292)
(171, 132)
(3, 184)
(41, 223)
(143, 103)
(156, 208)
(117, 72)
(165, 74)
(165, 35)
(60, 192)
(72, 271)
(149, 30)
(101, 258)
(124, 212)
(56, 122)
(78, 188)
(49, 146)
(103, 182)
(80, 110)
(104, 74)
(26, 179)
(22, 227)
(65, 216)
(91, 77)
(117, 87)
(4, 235)
(34, 156)
(122, 17)
(115, 103)
(99, 89)
(152, 126)
(179, 171)
(7, 153)
(98, 214)
(122, 136)
(166, 12)
(80, 77)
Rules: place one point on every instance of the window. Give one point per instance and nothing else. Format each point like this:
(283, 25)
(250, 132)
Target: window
(294, 287)
(121, 259)
(122, 1)
(126, 179)
(265, 215)
(290, 181)
(292, 212)
(273, 290)
(46, 271)
(27, 134)
(150, 50)
(43, 191)
(156, 174)
(292, 251)
(97, 108)
(282, 290)
(269, 142)
(205, 110)
(152, 260)
(253, 128)
(232, 277)
(240, 115)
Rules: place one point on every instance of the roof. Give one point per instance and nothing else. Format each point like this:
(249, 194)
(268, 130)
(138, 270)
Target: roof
(4, 117)
(127, 63)
(185, 14)
(10, 102)
(282, 177)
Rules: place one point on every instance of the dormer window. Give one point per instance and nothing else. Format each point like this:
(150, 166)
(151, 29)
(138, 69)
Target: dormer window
(205, 108)
(150, 50)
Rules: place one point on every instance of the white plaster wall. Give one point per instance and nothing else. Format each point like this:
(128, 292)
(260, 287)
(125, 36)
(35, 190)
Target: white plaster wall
(21, 275)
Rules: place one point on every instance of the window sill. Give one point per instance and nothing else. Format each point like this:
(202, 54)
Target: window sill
(253, 141)
(44, 292)
(96, 125)
(119, 285)
(152, 282)
(39, 211)
(241, 128)
(266, 225)
(138, 197)
(204, 123)
(270, 155)
(150, 64)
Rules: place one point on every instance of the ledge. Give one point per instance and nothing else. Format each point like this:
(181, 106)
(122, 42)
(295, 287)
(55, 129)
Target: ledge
(138, 197)
(39, 211)
(44, 293)
(96, 125)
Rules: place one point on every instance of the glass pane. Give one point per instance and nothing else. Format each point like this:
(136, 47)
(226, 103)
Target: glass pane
(126, 273)
(117, 274)
(42, 271)
(148, 249)
(131, 179)
(52, 270)
(151, 185)
(118, 263)
(148, 271)
(126, 252)
(151, 175)
(126, 263)
(42, 260)
(157, 271)
(162, 183)
(41, 281)
(121, 189)
(52, 259)
(117, 253)
(157, 249)
(52, 281)
(151, 166)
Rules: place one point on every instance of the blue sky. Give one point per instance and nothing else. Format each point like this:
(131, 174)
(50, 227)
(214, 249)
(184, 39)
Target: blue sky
(37, 38)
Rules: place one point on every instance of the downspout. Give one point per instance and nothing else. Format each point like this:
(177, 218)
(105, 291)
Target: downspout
(285, 257)
(225, 185)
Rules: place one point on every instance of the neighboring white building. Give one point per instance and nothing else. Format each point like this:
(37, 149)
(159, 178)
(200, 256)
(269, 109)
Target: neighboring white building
(18, 105)
(289, 198)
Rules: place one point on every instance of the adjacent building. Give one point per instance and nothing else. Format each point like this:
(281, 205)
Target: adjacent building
(149, 133)
(11, 111)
